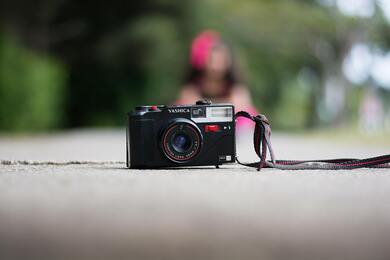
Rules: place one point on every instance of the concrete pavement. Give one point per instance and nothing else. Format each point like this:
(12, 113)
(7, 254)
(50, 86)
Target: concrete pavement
(108, 212)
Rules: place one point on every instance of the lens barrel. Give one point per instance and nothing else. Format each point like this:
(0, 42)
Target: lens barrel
(181, 141)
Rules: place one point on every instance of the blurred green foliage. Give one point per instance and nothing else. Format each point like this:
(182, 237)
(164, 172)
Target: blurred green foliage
(31, 89)
(110, 57)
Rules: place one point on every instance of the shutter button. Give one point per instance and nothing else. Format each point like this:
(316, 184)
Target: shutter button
(203, 102)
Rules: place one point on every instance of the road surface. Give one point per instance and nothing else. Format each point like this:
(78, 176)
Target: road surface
(105, 211)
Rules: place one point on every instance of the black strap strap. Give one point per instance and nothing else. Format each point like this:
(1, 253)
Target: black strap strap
(262, 143)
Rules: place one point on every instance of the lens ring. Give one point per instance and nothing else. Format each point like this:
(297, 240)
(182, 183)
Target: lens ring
(181, 141)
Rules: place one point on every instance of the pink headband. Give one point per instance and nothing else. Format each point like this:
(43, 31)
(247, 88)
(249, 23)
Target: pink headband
(201, 46)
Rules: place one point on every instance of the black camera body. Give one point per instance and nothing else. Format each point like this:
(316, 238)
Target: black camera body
(180, 136)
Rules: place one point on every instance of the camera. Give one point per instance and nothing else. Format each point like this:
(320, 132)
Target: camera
(180, 136)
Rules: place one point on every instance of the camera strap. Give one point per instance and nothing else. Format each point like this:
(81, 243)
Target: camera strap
(262, 143)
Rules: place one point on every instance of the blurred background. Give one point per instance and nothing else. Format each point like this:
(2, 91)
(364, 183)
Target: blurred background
(308, 64)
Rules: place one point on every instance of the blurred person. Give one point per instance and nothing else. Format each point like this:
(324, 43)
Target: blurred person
(212, 76)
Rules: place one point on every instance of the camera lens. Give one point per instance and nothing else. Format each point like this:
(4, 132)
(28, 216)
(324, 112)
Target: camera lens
(181, 141)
